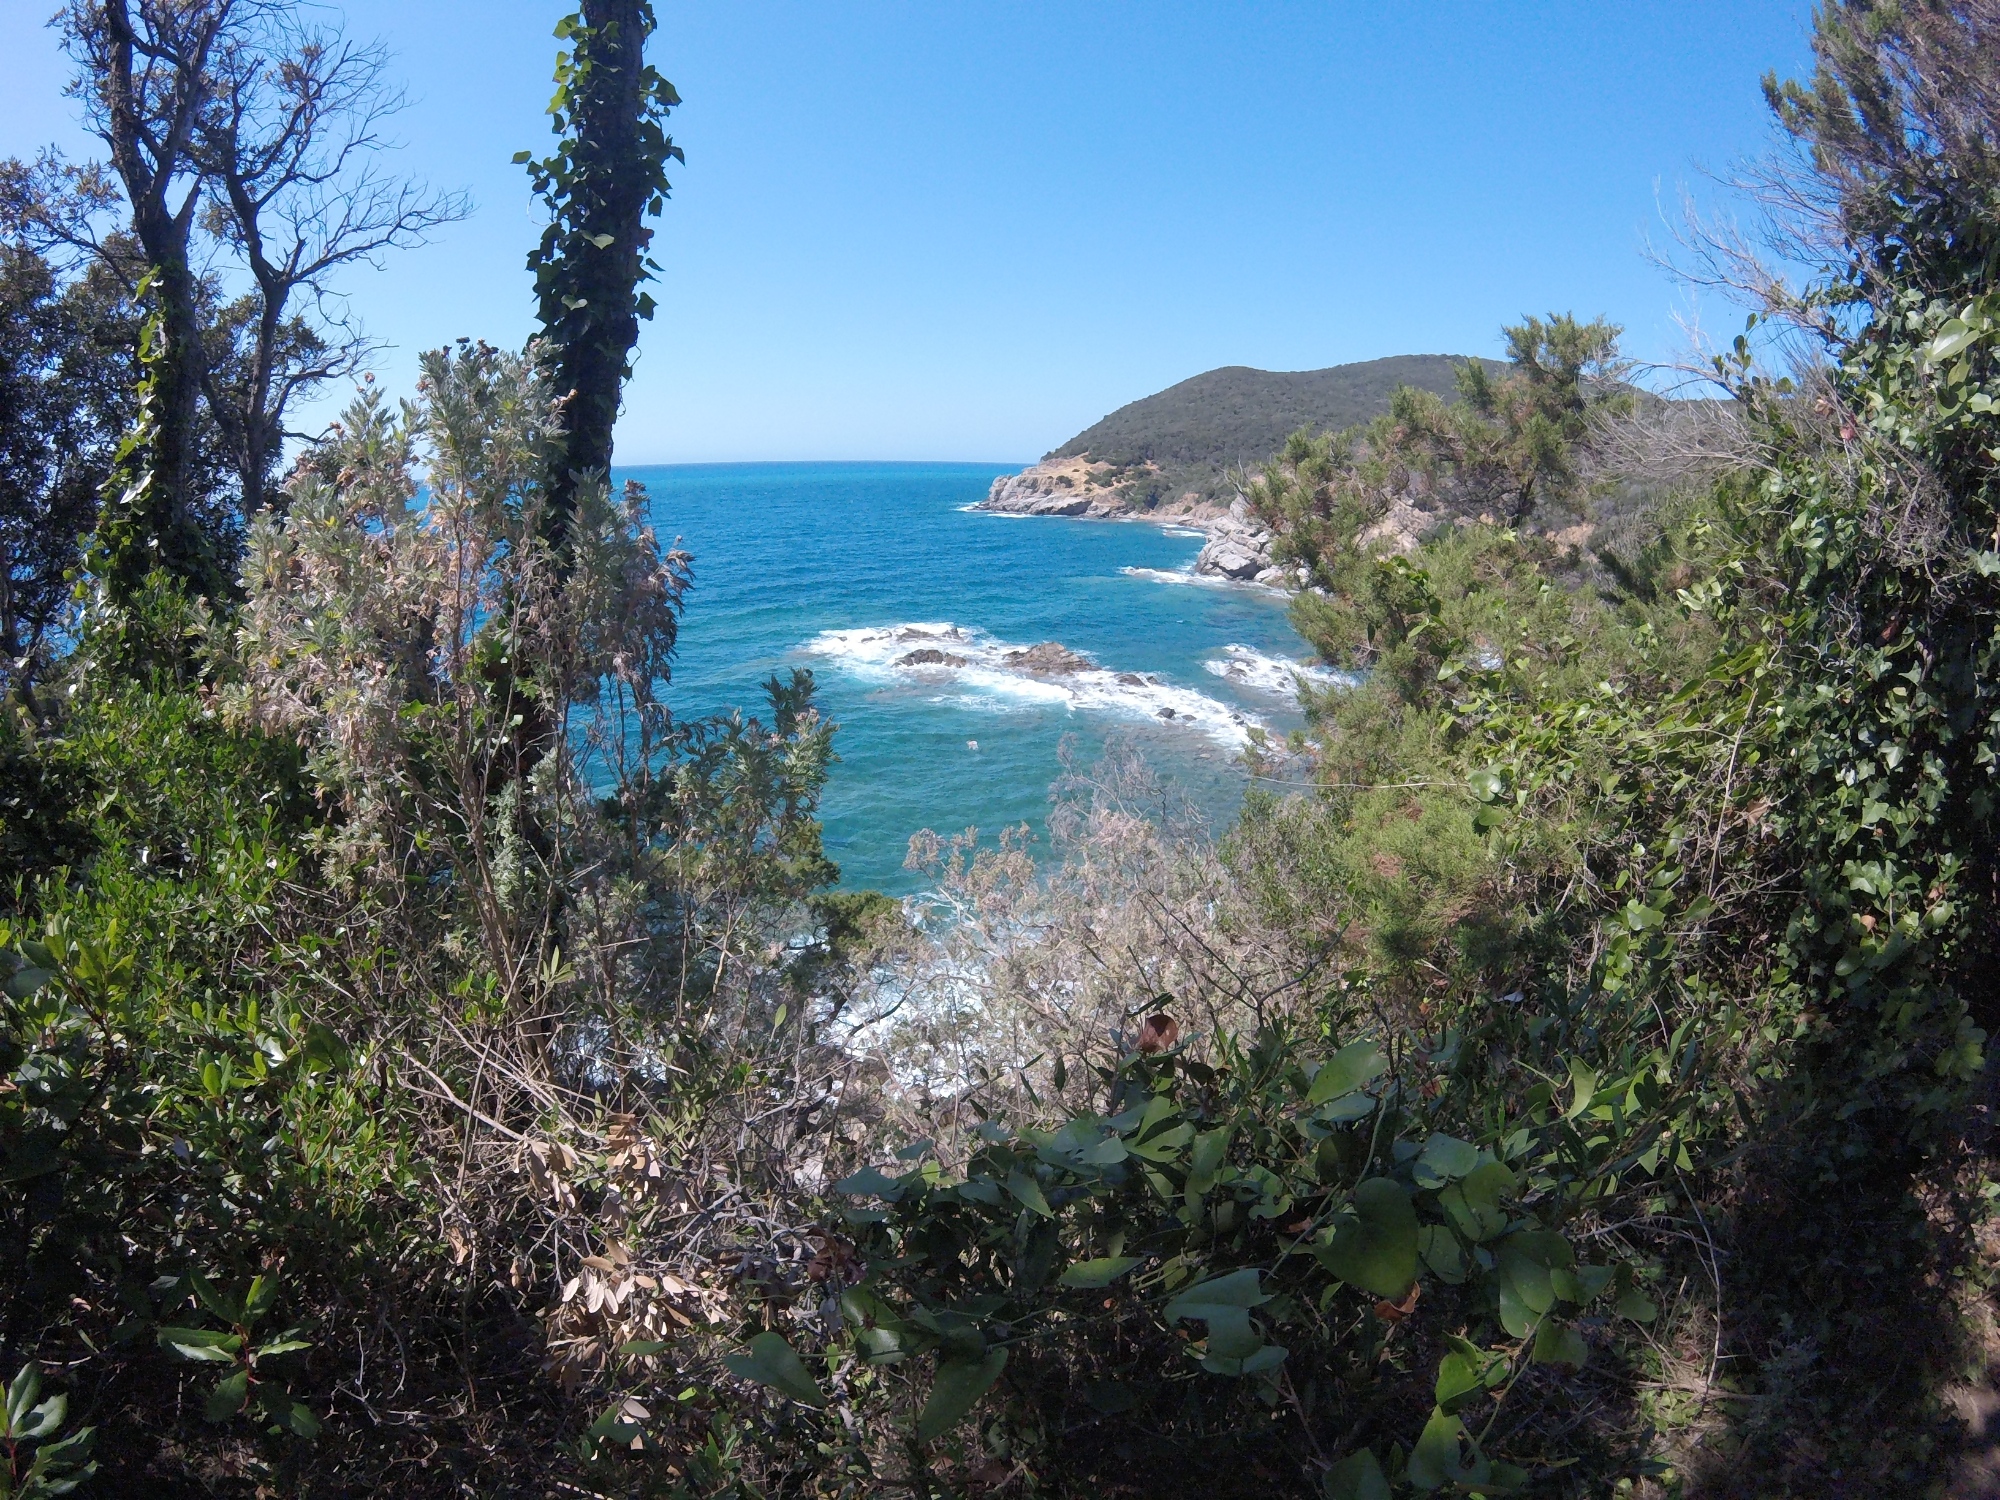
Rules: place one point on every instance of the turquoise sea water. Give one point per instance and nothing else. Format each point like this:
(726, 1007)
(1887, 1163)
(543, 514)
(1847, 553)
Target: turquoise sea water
(847, 567)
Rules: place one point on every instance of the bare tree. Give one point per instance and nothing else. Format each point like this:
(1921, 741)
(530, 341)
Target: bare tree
(290, 137)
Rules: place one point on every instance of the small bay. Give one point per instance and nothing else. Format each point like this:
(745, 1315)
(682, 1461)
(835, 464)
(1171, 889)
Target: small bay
(846, 568)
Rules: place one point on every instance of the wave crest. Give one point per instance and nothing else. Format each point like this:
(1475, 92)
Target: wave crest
(975, 665)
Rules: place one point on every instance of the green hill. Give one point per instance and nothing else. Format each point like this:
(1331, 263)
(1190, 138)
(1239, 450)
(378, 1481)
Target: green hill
(1236, 417)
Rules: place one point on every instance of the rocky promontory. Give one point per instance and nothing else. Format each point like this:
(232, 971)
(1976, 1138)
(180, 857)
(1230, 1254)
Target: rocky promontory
(1060, 487)
(1238, 548)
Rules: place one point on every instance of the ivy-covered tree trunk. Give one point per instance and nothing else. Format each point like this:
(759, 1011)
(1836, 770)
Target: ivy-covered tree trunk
(605, 177)
(150, 523)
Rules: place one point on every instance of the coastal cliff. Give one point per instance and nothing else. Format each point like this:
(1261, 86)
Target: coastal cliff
(1081, 486)
(1238, 547)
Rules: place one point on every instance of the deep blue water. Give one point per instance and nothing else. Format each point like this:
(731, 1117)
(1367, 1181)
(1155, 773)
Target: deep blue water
(822, 565)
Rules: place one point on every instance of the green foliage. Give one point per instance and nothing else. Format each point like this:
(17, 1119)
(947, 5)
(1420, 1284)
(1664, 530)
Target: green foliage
(245, 1384)
(1249, 1231)
(146, 526)
(1897, 124)
(66, 381)
(56, 1466)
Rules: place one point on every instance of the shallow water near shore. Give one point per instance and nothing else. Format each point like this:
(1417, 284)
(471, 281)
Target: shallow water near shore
(846, 568)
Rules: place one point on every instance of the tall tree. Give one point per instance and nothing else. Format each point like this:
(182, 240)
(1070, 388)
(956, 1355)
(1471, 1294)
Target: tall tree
(1898, 131)
(606, 176)
(290, 139)
(144, 82)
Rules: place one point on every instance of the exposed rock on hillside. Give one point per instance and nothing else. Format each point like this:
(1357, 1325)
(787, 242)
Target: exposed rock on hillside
(1239, 547)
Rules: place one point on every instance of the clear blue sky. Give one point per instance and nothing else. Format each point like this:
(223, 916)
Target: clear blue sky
(967, 229)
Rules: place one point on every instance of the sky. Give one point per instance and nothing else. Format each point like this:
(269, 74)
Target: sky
(966, 229)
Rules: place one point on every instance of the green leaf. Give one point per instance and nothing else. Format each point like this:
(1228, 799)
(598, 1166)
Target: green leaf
(1954, 338)
(1527, 1290)
(227, 1399)
(212, 1297)
(282, 1346)
(1487, 786)
(1375, 1248)
(1583, 1080)
(261, 1298)
(602, 241)
(1100, 1272)
(205, 1345)
(1028, 1193)
(69, 1451)
(870, 1182)
(1558, 1344)
(1357, 1477)
(1641, 917)
(1443, 1158)
(323, 1049)
(1347, 1070)
(22, 1394)
(1474, 1203)
(1459, 1379)
(959, 1383)
(45, 1418)
(1443, 1253)
(1208, 1153)
(1434, 1461)
(1166, 1145)
(769, 1360)
(25, 981)
(1635, 1305)
(1238, 1289)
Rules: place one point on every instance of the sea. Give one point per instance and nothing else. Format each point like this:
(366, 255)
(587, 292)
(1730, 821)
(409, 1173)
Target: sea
(846, 568)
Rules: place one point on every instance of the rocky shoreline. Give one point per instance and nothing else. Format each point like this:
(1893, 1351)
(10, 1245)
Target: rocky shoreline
(1238, 547)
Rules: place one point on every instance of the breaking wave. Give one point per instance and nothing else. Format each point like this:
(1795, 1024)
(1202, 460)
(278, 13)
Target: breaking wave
(975, 668)
(1273, 674)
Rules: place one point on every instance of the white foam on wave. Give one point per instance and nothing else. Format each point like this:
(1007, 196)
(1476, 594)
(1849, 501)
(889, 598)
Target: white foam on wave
(1183, 531)
(1176, 575)
(1252, 668)
(876, 653)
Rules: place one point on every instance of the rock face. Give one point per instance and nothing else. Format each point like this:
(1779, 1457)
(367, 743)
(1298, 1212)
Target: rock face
(930, 656)
(1049, 659)
(1054, 487)
(1240, 548)
(1401, 528)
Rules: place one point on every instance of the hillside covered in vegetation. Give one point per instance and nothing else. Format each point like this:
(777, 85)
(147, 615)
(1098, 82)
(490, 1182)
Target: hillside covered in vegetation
(429, 1066)
(1181, 444)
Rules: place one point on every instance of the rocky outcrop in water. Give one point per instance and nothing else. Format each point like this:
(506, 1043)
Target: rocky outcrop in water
(930, 656)
(1054, 487)
(1049, 659)
(1238, 548)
